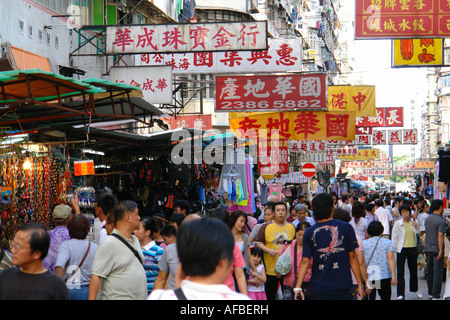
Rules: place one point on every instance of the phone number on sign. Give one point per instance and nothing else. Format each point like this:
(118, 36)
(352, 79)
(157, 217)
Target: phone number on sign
(265, 105)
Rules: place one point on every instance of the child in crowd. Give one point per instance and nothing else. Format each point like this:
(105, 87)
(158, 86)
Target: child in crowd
(257, 279)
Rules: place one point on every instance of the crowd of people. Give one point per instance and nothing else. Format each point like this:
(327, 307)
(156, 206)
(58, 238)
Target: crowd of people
(324, 248)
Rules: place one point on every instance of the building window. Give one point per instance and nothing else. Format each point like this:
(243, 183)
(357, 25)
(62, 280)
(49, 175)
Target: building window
(21, 26)
(48, 37)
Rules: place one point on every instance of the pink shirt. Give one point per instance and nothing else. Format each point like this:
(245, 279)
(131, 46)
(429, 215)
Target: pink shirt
(238, 262)
(290, 277)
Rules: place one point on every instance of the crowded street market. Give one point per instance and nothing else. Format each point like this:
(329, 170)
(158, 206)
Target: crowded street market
(260, 151)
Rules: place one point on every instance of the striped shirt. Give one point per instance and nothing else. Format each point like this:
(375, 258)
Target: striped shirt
(152, 254)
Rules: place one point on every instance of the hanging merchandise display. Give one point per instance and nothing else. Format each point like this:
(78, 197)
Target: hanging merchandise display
(236, 186)
(86, 197)
(30, 188)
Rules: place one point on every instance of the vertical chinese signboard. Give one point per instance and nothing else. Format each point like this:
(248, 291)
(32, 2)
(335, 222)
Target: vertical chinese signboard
(273, 156)
(191, 37)
(390, 19)
(417, 52)
(271, 92)
(155, 82)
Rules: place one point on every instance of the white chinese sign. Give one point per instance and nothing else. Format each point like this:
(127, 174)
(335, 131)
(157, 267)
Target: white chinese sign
(283, 55)
(390, 137)
(190, 37)
(155, 82)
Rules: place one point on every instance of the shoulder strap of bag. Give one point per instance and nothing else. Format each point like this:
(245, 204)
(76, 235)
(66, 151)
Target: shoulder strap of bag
(180, 294)
(82, 261)
(373, 251)
(295, 265)
(128, 245)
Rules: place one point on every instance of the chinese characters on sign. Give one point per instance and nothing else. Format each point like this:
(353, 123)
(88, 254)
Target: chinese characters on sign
(283, 55)
(418, 52)
(155, 82)
(392, 19)
(192, 37)
(271, 92)
(425, 164)
(386, 117)
(200, 122)
(391, 137)
(83, 168)
(374, 164)
(379, 172)
(352, 98)
(302, 125)
(273, 156)
(363, 154)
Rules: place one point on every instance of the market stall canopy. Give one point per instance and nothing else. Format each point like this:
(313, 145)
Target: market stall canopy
(34, 99)
(22, 60)
(107, 140)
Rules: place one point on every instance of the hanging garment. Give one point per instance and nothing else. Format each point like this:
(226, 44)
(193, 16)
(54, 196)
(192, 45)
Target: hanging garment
(234, 162)
(264, 192)
(275, 190)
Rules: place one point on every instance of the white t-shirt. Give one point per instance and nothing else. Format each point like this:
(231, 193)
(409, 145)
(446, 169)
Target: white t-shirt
(260, 287)
(384, 216)
(421, 219)
(197, 291)
(360, 227)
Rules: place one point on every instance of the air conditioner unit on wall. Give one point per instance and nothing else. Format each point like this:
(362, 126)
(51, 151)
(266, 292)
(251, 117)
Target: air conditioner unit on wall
(119, 3)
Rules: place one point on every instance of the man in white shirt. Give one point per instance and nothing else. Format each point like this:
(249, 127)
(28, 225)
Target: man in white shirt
(384, 216)
(205, 250)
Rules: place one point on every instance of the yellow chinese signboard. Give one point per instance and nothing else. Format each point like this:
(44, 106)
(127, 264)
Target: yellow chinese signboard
(418, 52)
(363, 154)
(360, 99)
(298, 125)
(425, 164)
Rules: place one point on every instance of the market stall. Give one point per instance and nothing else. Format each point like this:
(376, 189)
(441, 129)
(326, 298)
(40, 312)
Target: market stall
(44, 157)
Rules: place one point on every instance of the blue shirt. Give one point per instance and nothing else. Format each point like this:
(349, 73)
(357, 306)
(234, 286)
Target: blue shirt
(152, 254)
(378, 268)
(328, 244)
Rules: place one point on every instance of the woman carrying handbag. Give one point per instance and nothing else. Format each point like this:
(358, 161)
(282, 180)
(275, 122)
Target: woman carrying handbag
(289, 280)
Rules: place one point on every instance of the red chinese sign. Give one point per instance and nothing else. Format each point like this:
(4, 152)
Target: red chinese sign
(273, 156)
(386, 117)
(271, 92)
(391, 19)
(200, 37)
(200, 121)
